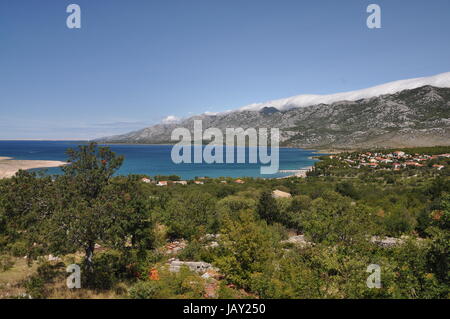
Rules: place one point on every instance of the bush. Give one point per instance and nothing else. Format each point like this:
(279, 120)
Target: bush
(109, 268)
(45, 273)
(192, 215)
(6, 263)
(35, 287)
(196, 251)
(48, 271)
(18, 249)
(144, 290)
(184, 284)
(399, 221)
(347, 189)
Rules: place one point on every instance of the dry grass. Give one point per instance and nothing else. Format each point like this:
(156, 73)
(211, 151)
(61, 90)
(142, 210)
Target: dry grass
(10, 280)
(60, 291)
(11, 283)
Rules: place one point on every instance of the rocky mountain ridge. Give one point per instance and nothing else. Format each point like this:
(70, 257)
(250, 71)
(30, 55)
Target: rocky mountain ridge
(416, 117)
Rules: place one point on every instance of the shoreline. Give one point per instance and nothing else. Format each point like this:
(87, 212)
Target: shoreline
(10, 166)
(296, 172)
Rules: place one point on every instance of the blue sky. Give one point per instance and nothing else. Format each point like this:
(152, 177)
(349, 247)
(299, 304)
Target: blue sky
(135, 62)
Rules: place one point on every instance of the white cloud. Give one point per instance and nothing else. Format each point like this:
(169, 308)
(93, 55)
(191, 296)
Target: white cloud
(440, 80)
(170, 119)
(211, 113)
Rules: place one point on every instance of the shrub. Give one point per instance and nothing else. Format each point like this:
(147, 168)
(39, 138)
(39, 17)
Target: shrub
(47, 271)
(184, 284)
(18, 249)
(6, 263)
(109, 268)
(144, 290)
(35, 287)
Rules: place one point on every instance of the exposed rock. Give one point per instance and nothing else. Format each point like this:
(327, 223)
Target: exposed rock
(197, 266)
(210, 240)
(175, 247)
(386, 241)
(211, 289)
(53, 258)
(280, 194)
(298, 240)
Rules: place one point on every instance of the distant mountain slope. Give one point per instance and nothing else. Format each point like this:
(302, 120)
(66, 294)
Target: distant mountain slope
(416, 117)
(441, 80)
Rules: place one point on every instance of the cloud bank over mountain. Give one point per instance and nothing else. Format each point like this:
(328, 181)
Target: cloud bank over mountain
(410, 116)
(441, 80)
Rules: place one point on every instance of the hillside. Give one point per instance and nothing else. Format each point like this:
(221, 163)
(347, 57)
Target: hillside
(417, 117)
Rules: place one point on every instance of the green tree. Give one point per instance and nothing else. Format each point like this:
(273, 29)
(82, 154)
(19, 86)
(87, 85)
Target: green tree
(90, 169)
(191, 215)
(26, 201)
(439, 253)
(347, 189)
(335, 219)
(248, 245)
(267, 207)
(92, 207)
(84, 207)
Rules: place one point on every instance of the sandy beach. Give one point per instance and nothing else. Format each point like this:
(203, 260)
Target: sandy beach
(9, 166)
(296, 172)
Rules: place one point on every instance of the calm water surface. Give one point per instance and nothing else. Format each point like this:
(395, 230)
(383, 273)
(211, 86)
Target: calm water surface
(154, 159)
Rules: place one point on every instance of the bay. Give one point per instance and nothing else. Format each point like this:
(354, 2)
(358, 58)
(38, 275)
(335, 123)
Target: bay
(156, 159)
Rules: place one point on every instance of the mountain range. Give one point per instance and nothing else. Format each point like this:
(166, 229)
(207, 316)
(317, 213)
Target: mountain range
(414, 112)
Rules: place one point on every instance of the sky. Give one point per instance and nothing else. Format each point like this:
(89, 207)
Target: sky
(135, 63)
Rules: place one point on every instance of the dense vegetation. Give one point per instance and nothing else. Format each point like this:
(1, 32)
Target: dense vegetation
(117, 228)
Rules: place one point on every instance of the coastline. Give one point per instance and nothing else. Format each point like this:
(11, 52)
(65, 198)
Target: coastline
(9, 166)
(296, 172)
(303, 171)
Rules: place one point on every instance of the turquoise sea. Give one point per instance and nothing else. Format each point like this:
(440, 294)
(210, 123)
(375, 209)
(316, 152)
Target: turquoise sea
(155, 159)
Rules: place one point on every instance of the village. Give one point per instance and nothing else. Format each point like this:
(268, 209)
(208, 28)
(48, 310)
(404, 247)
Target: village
(197, 181)
(396, 160)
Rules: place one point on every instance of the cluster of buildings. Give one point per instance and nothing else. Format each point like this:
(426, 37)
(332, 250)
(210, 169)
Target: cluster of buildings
(395, 160)
(199, 181)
